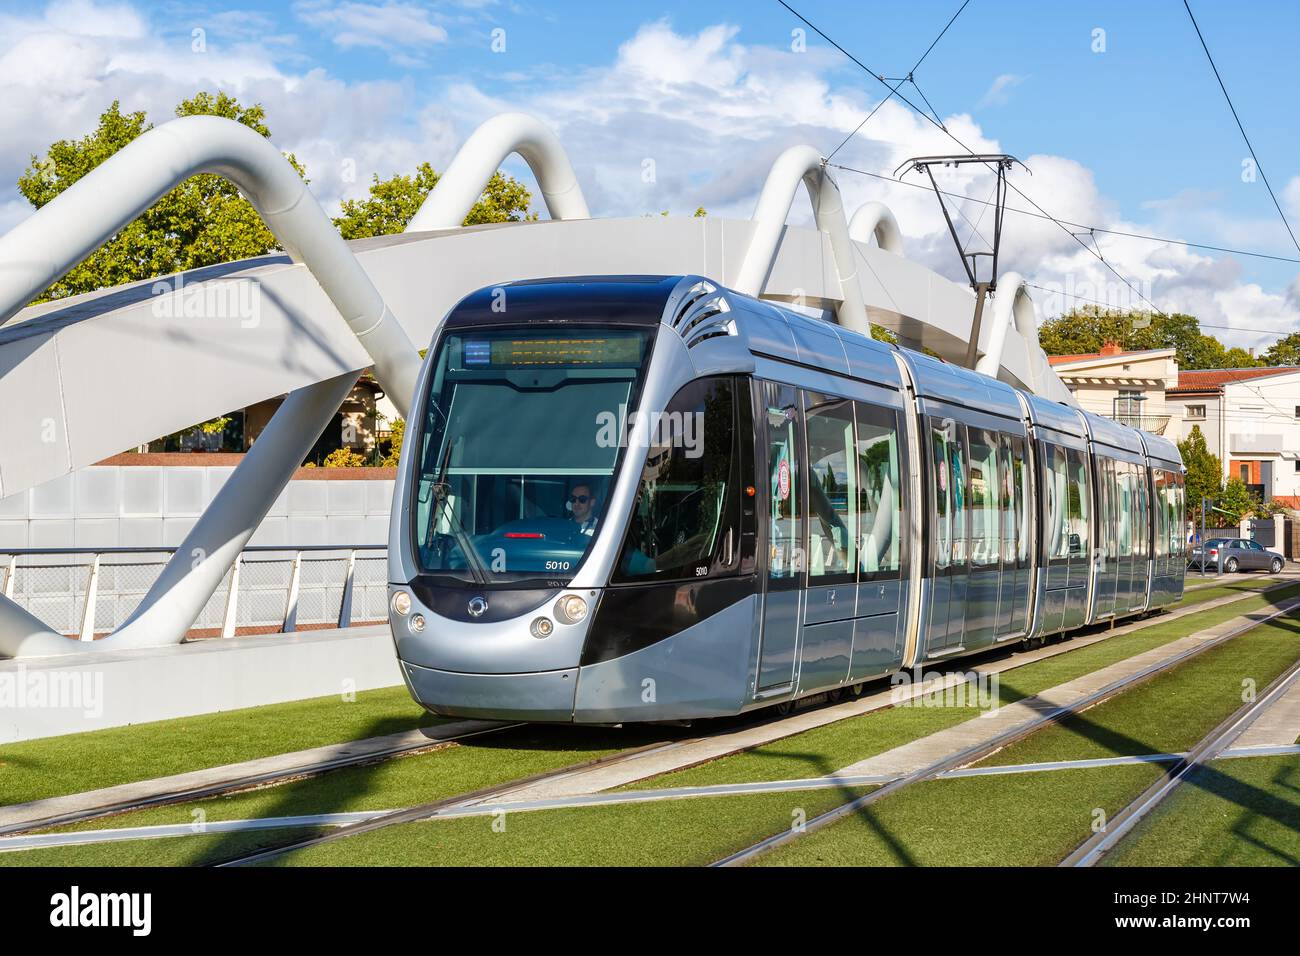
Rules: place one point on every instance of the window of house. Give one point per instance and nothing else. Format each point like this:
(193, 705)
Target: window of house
(1198, 412)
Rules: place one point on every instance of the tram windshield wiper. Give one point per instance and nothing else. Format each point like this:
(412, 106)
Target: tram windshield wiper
(473, 562)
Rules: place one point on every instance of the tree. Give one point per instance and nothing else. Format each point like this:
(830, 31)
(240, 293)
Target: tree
(1285, 351)
(1087, 329)
(201, 222)
(1236, 500)
(392, 202)
(396, 432)
(1204, 471)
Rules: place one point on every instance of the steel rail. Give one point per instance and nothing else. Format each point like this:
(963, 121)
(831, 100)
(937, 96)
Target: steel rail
(978, 751)
(238, 784)
(1093, 850)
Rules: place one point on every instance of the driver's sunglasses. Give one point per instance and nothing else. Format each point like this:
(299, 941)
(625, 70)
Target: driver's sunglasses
(580, 499)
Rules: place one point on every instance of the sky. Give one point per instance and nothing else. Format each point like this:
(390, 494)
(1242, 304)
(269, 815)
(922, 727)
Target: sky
(1113, 108)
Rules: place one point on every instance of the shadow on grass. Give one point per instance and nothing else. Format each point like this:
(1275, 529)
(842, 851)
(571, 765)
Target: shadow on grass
(338, 791)
(1257, 804)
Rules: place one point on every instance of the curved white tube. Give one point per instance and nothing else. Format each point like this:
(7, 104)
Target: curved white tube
(66, 230)
(63, 232)
(876, 219)
(481, 156)
(1011, 303)
(795, 165)
(194, 573)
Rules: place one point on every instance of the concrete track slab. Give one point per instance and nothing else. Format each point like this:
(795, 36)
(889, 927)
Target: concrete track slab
(668, 759)
(199, 780)
(1279, 726)
(917, 754)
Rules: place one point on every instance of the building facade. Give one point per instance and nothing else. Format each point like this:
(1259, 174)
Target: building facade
(1250, 418)
(1129, 387)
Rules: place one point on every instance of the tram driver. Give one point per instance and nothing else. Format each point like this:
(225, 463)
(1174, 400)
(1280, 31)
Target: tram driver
(581, 506)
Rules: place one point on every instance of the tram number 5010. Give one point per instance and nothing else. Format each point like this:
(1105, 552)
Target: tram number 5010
(702, 572)
(557, 565)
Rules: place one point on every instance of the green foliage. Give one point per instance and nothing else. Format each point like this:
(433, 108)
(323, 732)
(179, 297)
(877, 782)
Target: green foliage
(1285, 351)
(1087, 329)
(1204, 471)
(201, 222)
(344, 458)
(397, 431)
(392, 202)
(1235, 502)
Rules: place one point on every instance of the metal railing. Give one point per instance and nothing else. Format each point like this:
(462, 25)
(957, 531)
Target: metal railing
(1155, 424)
(83, 592)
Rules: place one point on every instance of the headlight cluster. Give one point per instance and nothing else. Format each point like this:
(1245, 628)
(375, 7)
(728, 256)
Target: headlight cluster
(571, 609)
(401, 603)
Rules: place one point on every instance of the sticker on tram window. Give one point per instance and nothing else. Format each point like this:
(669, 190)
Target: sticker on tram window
(783, 479)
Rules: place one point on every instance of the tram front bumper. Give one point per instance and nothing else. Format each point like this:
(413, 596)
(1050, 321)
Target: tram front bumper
(541, 696)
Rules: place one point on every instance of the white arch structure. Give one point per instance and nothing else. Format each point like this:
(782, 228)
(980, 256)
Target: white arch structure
(69, 363)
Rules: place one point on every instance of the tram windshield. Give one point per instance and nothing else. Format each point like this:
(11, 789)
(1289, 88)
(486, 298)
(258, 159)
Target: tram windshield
(519, 441)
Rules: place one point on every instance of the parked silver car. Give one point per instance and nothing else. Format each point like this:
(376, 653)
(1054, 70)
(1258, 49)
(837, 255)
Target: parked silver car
(1236, 554)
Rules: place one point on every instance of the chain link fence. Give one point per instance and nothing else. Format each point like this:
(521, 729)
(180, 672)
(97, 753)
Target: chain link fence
(88, 594)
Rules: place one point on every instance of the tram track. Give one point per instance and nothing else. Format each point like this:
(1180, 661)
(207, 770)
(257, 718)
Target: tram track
(270, 779)
(1097, 847)
(244, 783)
(983, 749)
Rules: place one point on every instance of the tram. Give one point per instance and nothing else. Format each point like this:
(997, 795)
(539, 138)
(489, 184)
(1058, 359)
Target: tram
(641, 498)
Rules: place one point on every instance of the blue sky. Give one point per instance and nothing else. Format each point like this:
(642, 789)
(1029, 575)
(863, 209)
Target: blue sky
(1137, 137)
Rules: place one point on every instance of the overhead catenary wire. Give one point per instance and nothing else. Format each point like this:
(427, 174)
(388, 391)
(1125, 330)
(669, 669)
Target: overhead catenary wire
(1146, 237)
(1259, 166)
(947, 132)
(894, 89)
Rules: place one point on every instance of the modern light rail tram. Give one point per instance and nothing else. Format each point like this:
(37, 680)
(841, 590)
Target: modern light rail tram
(644, 498)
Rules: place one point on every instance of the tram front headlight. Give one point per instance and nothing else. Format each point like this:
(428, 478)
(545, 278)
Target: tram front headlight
(571, 609)
(417, 623)
(401, 603)
(542, 627)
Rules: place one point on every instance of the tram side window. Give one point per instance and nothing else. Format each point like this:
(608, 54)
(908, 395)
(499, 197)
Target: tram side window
(832, 488)
(1007, 501)
(785, 476)
(1057, 479)
(983, 497)
(1020, 488)
(879, 502)
(1079, 501)
(1124, 507)
(1109, 518)
(1142, 521)
(684, 517)
(960, 496)
(1179, 533)
(1160, 511)
(942, 494)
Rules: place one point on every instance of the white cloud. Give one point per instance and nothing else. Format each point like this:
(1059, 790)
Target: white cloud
(710, 112)
(390, 26)
(1000, 91)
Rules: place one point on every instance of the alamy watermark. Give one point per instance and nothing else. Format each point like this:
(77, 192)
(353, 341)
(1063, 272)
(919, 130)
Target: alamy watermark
(658, 430)
(21, 689)
(216, 300)
(921, 688)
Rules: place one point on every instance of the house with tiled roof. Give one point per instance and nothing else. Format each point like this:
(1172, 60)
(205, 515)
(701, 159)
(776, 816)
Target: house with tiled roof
(1128, 386)
(1251, 420)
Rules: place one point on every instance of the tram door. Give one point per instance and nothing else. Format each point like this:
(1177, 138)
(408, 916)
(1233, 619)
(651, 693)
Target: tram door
(782, 427)
(949, 568)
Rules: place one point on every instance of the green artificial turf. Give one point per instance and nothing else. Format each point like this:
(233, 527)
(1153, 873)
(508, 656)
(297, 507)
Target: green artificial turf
(691, 832)
(826, 749)
(53, 766)
(1028, 819)
(1172, 712)
(1239, 812)
(168, 851)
